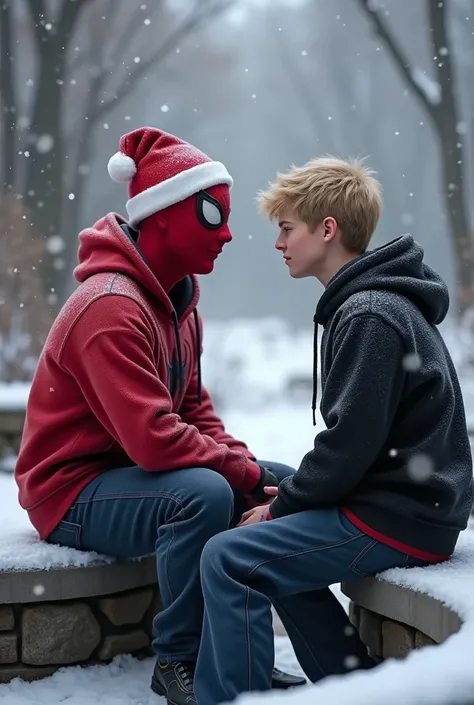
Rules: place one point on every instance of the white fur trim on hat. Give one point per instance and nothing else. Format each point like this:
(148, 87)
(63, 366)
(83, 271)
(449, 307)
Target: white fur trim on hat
(176, 189)
(121, 168)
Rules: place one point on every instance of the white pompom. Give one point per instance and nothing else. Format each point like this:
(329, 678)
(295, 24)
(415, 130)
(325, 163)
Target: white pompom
(121, 168)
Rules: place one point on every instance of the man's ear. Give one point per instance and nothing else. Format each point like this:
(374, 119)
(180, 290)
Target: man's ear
(330, 228)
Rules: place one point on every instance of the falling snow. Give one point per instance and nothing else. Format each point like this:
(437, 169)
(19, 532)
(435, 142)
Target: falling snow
(415, 159)
(44, 143)
(55, 244)
(411, 362)
(420, 467)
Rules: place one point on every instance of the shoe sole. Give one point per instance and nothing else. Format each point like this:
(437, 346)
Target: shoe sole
(159, 690)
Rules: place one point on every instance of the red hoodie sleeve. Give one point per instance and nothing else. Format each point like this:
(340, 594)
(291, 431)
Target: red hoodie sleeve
(110, 354)
(203, 415)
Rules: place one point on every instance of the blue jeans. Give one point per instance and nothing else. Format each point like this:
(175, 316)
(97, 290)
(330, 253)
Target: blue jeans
(289, 562)
(128, 512)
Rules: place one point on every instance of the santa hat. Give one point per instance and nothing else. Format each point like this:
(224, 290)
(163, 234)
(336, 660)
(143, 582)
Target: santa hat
(161, 170)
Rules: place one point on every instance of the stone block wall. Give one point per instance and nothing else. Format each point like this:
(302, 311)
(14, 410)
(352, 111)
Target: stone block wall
(385, 637)
(38, 638)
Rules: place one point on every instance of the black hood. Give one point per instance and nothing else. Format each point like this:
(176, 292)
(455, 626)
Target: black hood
(398, 267)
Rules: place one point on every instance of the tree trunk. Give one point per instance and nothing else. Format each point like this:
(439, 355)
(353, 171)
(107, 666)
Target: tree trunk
(446, 120)
(44, 184)
(450, 132)
(45, 190)
(461, 238)
(7, 92)
(72, 209)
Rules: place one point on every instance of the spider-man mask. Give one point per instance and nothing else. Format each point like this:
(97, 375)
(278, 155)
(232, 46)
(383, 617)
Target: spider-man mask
(194, 231)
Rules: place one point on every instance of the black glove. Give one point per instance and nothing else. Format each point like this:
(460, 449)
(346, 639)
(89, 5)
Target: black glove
(267, 479)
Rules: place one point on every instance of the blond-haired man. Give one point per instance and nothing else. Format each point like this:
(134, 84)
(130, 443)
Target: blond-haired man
(389, 480)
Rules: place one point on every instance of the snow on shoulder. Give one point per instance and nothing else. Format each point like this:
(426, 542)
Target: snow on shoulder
(434, 675)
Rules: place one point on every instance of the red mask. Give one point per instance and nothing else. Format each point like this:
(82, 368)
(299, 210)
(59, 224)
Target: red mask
(187, 237)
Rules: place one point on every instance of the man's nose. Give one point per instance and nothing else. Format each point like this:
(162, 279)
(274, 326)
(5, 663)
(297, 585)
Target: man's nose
(279, 244)
(225, 235)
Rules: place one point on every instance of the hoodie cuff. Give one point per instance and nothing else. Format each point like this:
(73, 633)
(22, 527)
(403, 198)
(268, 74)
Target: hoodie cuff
(252, 477)
(278, 509)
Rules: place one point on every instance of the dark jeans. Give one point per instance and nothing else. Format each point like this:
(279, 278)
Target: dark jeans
(289, 562)
(129, 512)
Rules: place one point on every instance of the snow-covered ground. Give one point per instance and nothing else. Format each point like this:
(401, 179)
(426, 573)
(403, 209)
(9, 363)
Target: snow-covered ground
(13, 396)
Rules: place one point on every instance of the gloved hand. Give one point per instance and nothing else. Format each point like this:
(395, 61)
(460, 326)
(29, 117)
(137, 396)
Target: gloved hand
(258, 495)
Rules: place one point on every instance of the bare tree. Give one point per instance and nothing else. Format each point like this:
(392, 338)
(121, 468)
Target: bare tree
(109, 74)
(24, 310)
(439, 99)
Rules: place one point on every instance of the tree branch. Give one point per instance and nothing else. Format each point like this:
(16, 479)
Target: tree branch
(442, 50)
(37, 16)
(132, 26)
(401, 61)
(200, 13)
(301, 87)
(96, 33)
(67, 19)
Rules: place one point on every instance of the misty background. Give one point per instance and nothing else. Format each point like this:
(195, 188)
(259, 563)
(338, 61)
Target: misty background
(258, 85)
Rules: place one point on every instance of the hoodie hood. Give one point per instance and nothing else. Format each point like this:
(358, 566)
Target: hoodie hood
(398, 267)
(109, 246)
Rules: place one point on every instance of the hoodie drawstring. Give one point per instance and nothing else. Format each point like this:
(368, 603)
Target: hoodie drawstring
(315, 368)
(180, 353)
(198, 356)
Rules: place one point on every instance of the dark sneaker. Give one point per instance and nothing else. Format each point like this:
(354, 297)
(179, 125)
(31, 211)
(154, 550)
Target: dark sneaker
(283, 681)
(175, 681)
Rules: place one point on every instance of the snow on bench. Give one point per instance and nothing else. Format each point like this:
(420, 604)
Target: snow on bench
(59, 606)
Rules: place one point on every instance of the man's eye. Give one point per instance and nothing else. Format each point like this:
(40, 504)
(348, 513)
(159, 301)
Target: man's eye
(211, 213)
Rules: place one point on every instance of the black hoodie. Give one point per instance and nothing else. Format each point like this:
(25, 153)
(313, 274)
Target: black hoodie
(395, 453)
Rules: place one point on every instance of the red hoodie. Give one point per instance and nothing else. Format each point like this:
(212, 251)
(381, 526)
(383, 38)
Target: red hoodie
(118, 384)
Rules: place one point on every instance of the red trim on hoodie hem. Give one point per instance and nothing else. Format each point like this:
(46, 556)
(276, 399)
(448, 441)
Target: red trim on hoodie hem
(397, 545)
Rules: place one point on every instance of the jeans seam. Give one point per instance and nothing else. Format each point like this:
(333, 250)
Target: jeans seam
(73, 529)
(302, 553)
(362, 553)
(302, 637)
(168, 582)
(249, 648)
(132, 495)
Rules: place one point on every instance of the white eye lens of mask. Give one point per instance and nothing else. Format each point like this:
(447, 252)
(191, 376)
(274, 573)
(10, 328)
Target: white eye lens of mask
(211, 213)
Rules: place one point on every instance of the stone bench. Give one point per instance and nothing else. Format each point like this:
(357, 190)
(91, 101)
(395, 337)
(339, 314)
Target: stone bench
(403, 610)
(393, 620)
(75, 614)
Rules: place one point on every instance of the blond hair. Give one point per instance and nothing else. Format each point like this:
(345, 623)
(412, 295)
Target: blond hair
(328, 186)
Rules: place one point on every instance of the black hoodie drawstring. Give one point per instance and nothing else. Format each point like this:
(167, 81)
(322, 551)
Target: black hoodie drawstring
(315, 368)
(198, 356)
(180, 354)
